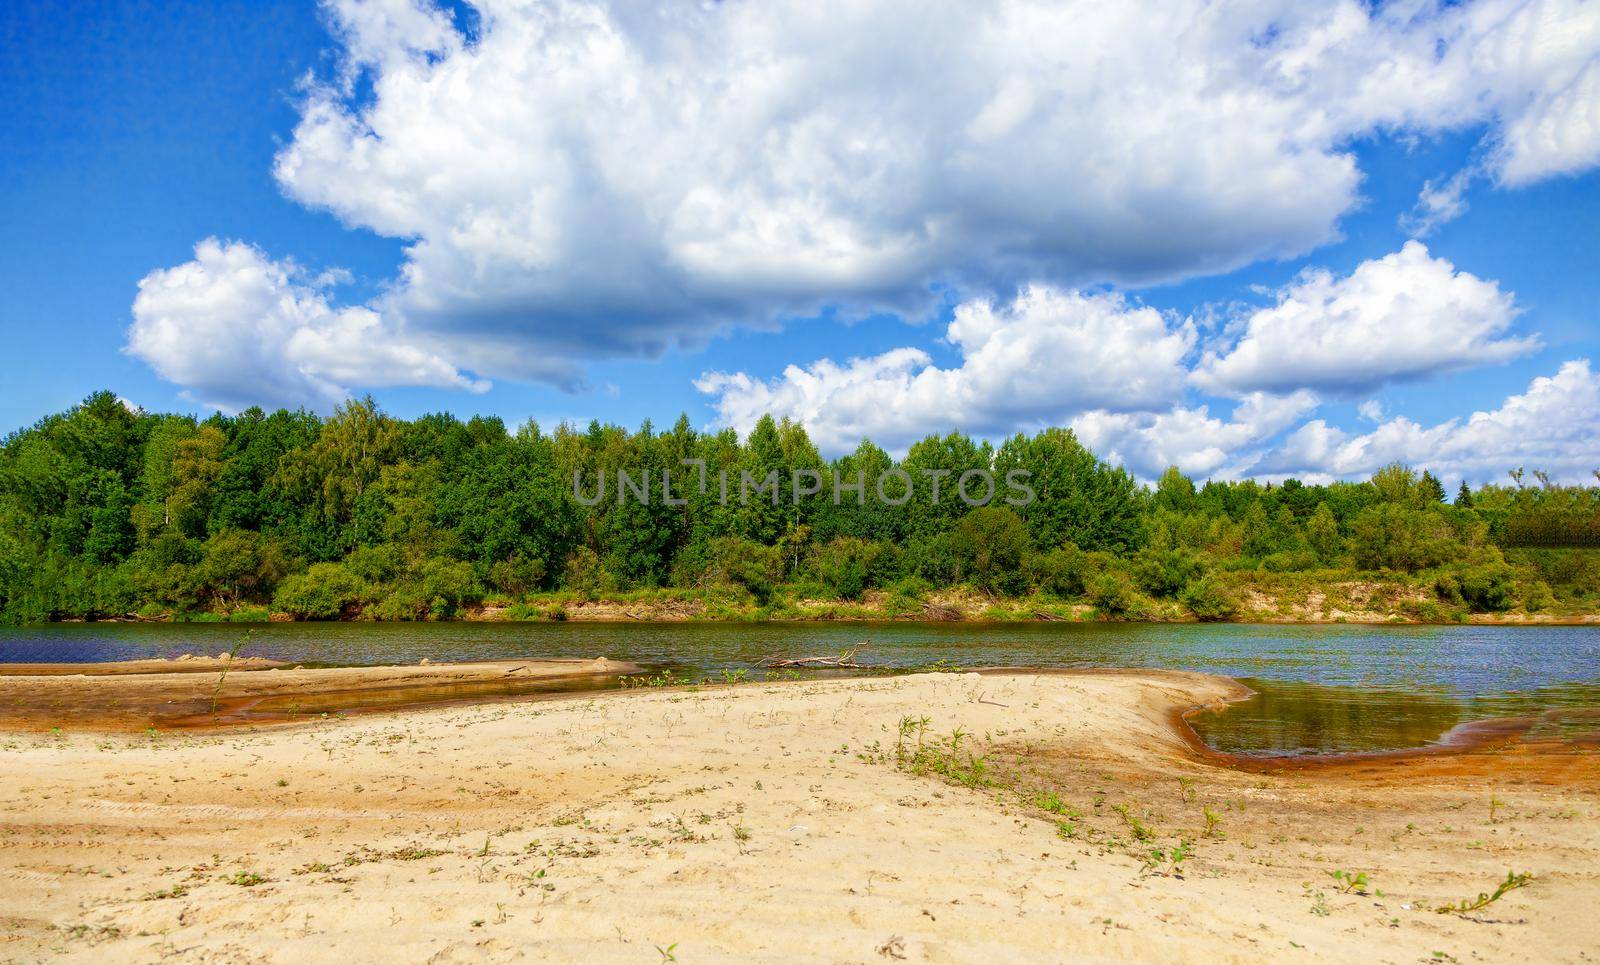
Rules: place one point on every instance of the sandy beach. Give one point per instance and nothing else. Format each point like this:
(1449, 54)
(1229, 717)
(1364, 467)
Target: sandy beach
(935, 817)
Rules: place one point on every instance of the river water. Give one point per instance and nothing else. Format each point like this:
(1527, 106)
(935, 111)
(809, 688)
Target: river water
(1320, 689)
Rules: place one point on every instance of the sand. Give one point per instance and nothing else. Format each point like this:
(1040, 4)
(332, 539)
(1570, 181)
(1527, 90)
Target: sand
(783, 822)
(204, 691)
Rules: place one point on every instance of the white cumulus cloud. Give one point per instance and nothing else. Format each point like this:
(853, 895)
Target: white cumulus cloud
(1403, 316)
(583, 179)
(1553, 426)
(237, 328)
(1190, 437)
(1040, 358)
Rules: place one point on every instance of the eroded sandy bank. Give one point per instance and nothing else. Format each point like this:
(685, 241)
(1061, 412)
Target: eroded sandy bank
(794, 821)
(196, 692)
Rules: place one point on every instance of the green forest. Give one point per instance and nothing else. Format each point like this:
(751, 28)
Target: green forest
(112, 513)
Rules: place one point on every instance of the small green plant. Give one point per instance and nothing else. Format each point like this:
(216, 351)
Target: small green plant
(246, 879)
(667, 953)
(226, 666)
(1141, 832)
(1465, 906)
(1213, 824)
(1348, 883)
(1168, 861)
(1319, 905)
(1051, 803)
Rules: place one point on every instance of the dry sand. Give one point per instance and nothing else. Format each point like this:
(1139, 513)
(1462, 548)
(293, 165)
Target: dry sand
(779, 822)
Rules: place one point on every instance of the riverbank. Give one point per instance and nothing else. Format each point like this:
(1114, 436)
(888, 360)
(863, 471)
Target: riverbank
(1265, 599)
(928, 817)
(203, 692)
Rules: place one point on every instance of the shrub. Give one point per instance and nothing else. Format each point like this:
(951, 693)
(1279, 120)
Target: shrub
(324, 592)
(436, 591)
(846, 566)
(732, 561)
(1290, 561)
(1538, 596)
(1209, 599)
(517, 575)
(1113, 594)
(989, 544)
(584, 573)
(1392, 536)
(1483, 588)
(1163, 573)
(1059, 572)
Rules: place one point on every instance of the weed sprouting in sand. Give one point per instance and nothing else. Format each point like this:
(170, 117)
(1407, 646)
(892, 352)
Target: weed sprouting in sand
(226, 666)
(1168, 861)
(1513, 881)
(1350, 882)
(1140, 831)
(943, 757)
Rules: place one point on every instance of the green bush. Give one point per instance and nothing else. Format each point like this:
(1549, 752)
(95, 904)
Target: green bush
(326, 591)
(846, 565)
(1538, 596)
(517, 575)
(1209, 599)
(1163, 573)
(1059, 572)
(1290, 561)
(436, 591)
(989, 544)
(1393, 536)
(1483, 588)
(1113, 595)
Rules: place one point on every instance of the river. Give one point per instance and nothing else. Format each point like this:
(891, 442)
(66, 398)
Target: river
(1320, 689)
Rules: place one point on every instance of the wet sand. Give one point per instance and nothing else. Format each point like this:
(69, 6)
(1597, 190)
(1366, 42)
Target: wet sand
(214, 691)
(785, 821)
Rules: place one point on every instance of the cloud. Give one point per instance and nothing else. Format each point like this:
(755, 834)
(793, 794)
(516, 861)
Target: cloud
(1438, 205)
(1552, 426)
(590, 179)
(1403, 316)
(1041, 358)
(1190, 438)
(1545, 64)
(587, 179)
(236, 329)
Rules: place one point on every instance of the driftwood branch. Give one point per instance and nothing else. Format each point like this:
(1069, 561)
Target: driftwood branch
(846, 659)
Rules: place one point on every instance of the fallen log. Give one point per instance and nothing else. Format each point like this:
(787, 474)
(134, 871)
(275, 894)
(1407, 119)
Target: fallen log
(846, 659)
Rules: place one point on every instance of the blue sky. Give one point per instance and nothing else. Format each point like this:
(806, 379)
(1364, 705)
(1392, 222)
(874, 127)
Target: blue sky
(602, 265)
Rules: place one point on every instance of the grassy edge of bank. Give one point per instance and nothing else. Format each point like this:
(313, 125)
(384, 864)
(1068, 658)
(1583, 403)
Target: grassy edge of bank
(1258, 598)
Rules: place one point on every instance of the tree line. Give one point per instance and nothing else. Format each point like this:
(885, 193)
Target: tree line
(107, 511)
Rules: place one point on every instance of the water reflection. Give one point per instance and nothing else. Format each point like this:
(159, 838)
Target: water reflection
(1320, 688)
(1293, 717)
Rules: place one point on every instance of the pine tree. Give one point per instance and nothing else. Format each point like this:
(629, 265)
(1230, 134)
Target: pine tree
(1430, 488)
